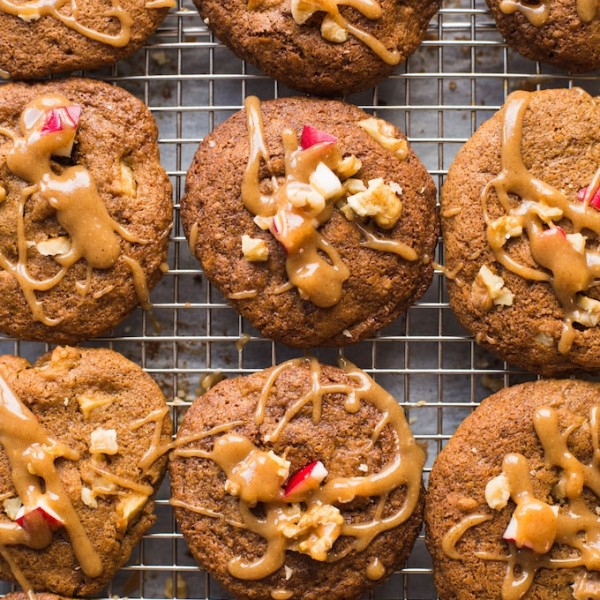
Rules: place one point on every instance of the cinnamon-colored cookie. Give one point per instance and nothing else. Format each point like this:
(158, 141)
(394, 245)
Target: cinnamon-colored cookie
(323, 247)
(39, 39)
(82, 440)
(318, 47)
(512, 501)
(301, 481)
(85, 208)
(560, 32)
(521, 219)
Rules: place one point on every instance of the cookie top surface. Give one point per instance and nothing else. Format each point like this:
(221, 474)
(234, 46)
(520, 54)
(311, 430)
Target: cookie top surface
(521, 227)
(565, 33)
(515, 492)
(321, 47)
(298, 481)
(81, 438)
(41, 38)
(85, 208)
(320, 274)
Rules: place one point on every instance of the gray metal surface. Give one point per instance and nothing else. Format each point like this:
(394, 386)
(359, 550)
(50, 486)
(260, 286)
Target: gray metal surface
(456, 80)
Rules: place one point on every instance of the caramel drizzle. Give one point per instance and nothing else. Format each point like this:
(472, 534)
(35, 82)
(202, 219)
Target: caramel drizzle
(243, 463)
(538, 15)
(156, 449)
(31, 454)
(79, 208)
(313, 265)
(67, 12)
(576, 526)
(569, 272)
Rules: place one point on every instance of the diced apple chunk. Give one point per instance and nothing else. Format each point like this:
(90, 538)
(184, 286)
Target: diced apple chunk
(326, 182)
(104, 441)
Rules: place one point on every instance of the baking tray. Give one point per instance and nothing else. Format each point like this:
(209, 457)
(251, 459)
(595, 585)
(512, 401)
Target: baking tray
(456, 80)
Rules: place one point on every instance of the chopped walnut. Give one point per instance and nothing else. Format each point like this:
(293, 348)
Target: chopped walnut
(379, 201)
(88, 497)
(302, 10)
(303, 195)
(92, 401)
(332, 32)
(54, 246)
(504, 228)
(384, 134)
(316, 530)
(104, 441)
(489, 289)
(350, 165)
(497, 492)
(254, 249)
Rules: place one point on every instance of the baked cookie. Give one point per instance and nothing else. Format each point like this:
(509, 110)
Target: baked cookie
(511, 507)
(38, 595)
(82, 439)
(41, 38)
(521, 222)
(565, 33)
(85, 208)
(316, 220)
(300, 481)
(326, 48)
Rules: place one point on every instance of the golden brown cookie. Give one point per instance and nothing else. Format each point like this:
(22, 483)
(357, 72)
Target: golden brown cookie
(318, 47)
(512, 501)
(82, 439)
(521, 221)
(85, 208)
(560, 32)
(316, 220)
(42, 38)
(299, 481)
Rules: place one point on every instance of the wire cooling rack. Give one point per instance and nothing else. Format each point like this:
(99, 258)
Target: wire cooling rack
(456, 80)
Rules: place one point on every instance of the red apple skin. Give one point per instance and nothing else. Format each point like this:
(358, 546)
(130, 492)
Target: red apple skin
(594, 202)
(304, 481)
(311, 136)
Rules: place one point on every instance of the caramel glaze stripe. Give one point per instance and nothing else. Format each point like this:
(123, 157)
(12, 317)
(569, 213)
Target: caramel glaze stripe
(538, 15)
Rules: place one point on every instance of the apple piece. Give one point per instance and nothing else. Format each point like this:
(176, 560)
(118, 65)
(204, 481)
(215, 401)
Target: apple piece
(290, 229)
(326, 182)
(533, 526)
(594, 202)
(305, 481)
(57, 120)
(25, 518)
(552, 231)
(311, 136)
(73, 112)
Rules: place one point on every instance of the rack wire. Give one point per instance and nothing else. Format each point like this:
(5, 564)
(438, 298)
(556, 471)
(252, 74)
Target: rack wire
(456, 80)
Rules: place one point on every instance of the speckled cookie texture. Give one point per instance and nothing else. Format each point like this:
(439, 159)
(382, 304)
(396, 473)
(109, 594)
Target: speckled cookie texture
(77, 396)
(58, 42)
(126, 217)
(380, 285)
(509, 424)
(551, 31)
(270, 35)
(547, 321)
(300, 428)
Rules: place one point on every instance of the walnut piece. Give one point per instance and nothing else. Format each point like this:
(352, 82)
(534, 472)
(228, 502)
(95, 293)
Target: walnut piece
(378, 201)
(254, 249)
(383, 133)
(488, 290)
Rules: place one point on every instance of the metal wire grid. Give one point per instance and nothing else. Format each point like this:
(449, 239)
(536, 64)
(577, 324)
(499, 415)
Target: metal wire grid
(456, 80)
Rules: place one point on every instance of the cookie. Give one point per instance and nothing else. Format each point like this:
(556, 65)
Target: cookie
(521, 222)
(511, 507)
(565, 33)
(41, 38)
(85, 209)
(318, 47)
(299, 481)
(82, 439)
(314, 219)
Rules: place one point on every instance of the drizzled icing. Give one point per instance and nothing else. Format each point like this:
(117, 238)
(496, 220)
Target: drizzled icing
(538, 13)
(72, 193)
(32, 454)
(542, 527)
(567, 264)
(313, 265)
(66, 12)
(313, 524)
